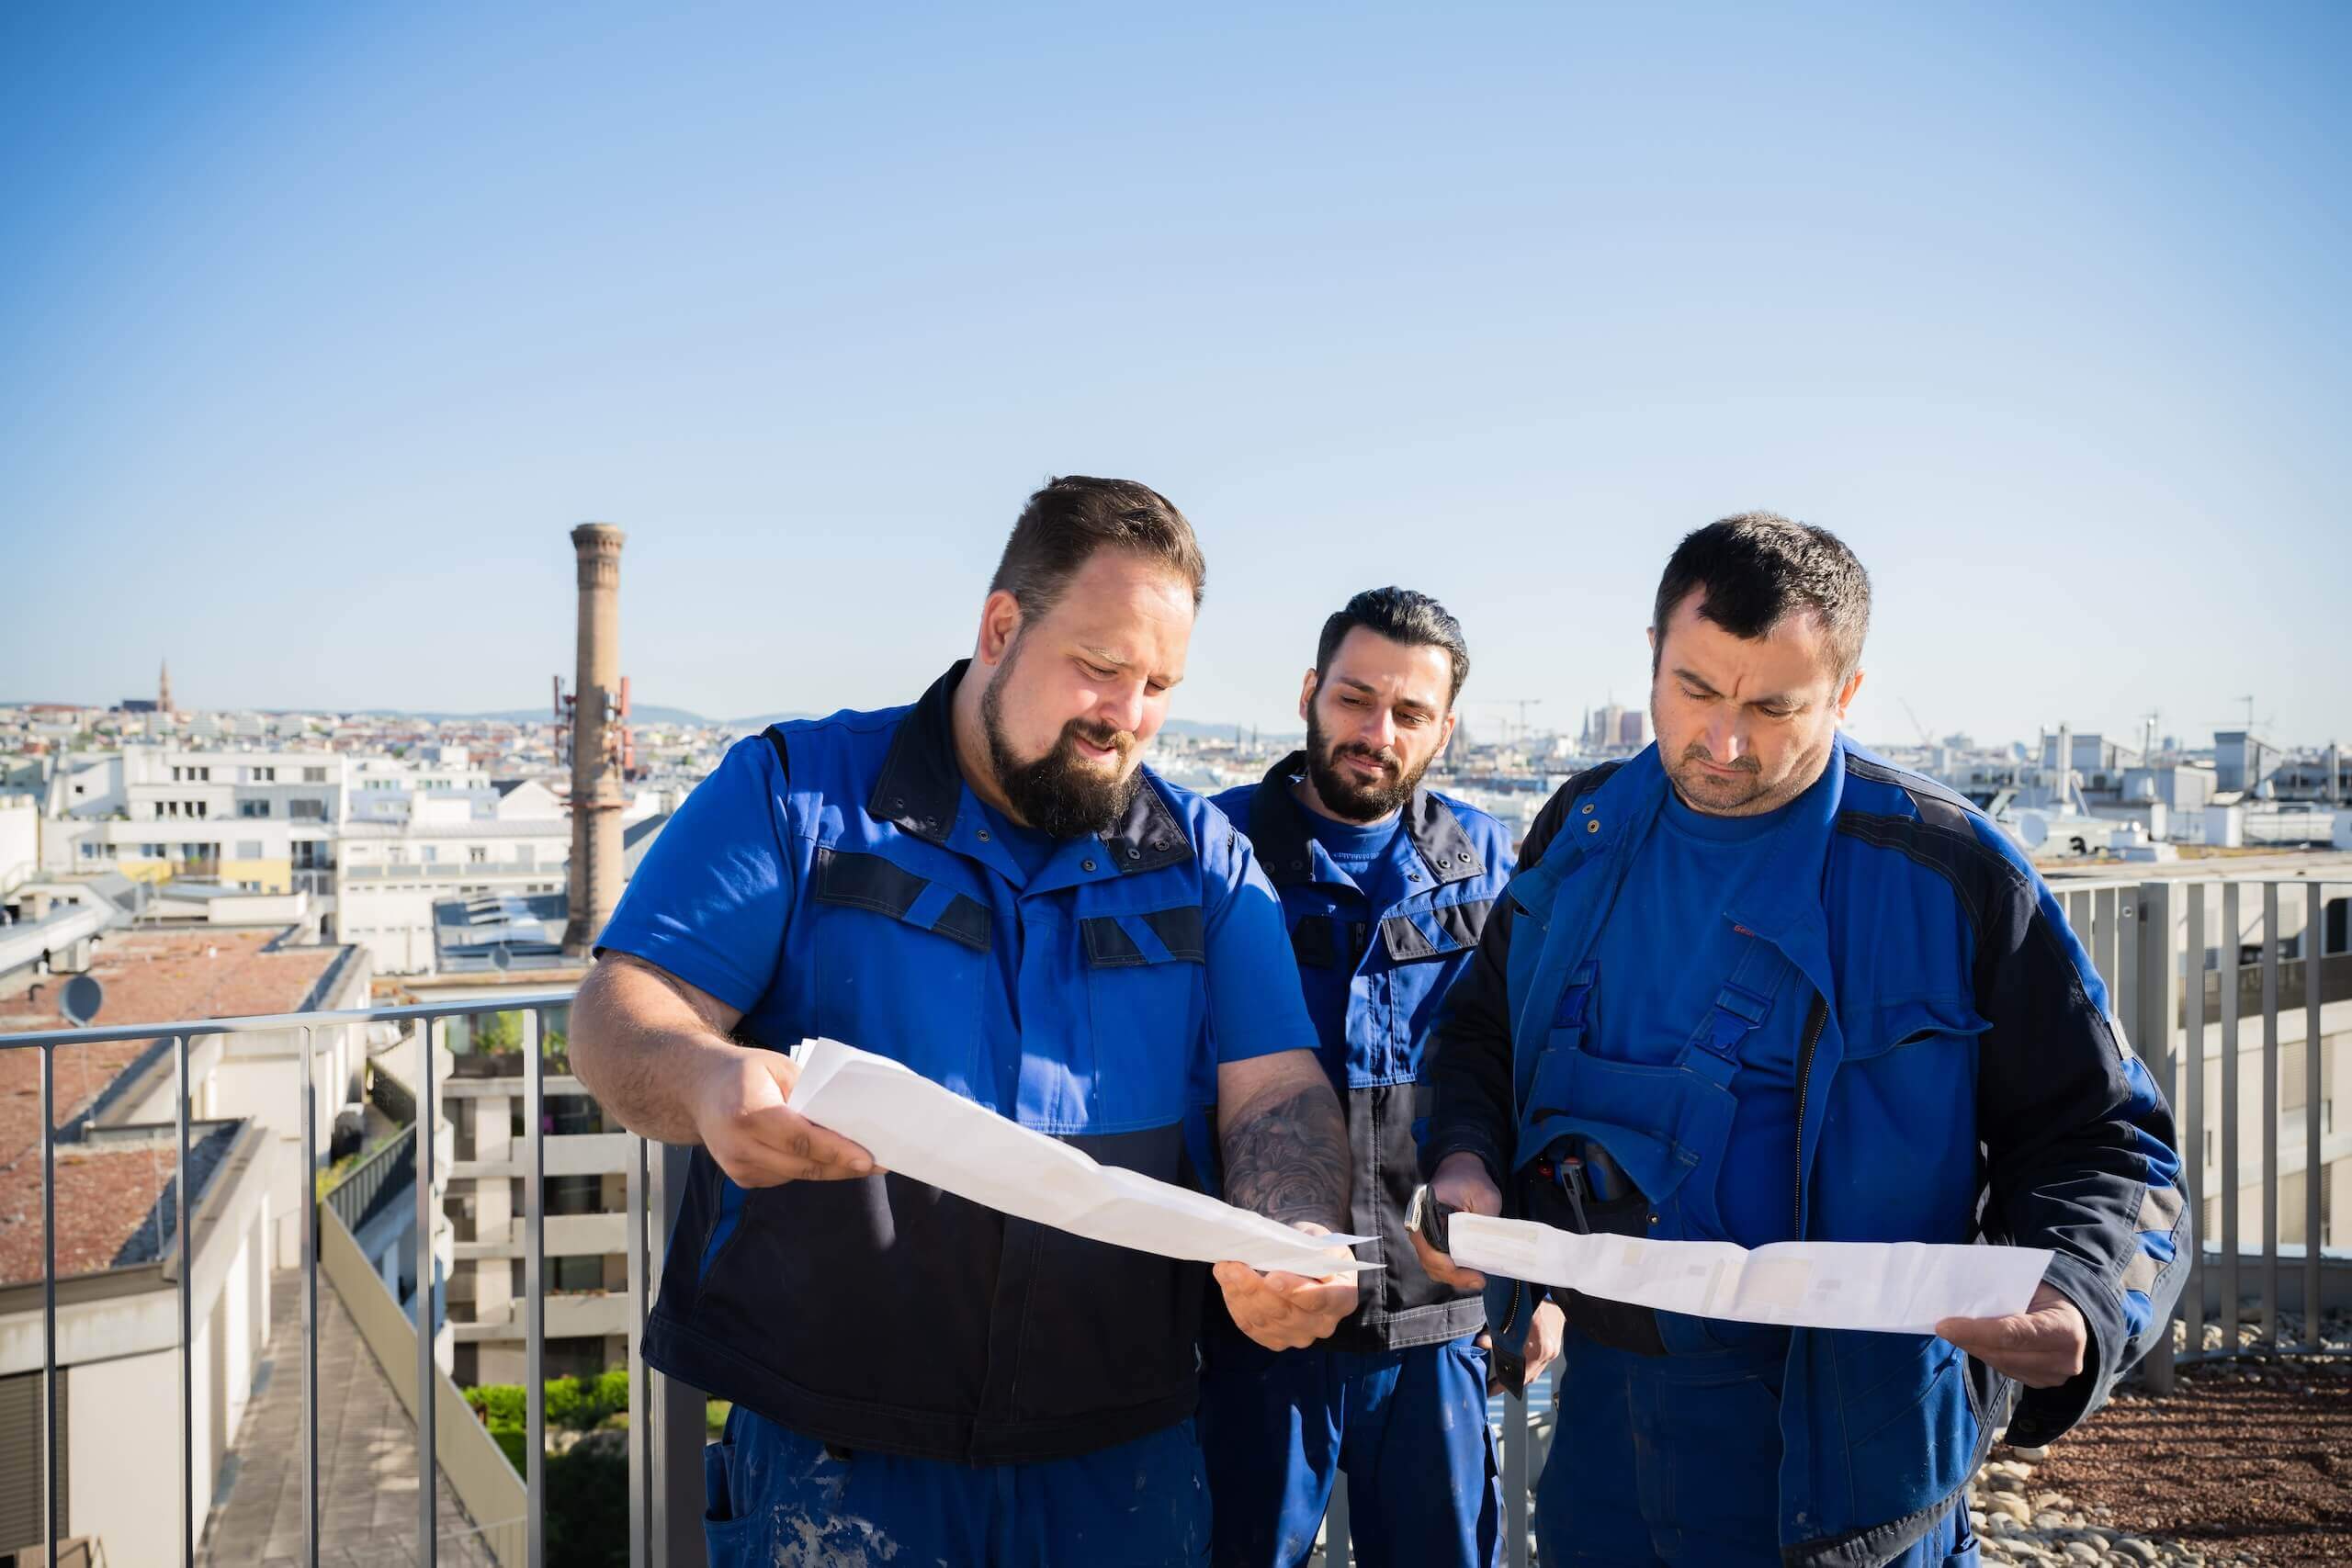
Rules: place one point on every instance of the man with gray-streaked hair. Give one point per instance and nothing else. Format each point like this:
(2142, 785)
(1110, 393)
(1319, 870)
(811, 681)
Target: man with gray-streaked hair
(1755, 985)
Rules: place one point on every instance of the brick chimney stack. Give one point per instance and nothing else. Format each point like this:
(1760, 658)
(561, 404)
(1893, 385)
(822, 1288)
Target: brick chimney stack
(596, 800)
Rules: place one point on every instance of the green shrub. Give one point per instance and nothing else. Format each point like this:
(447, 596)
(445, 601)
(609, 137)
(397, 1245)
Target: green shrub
(514, 1439)
(587, 1509)
(612, 1389)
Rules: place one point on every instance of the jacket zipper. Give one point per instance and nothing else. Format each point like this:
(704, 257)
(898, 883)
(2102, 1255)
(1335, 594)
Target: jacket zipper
(1813, 1025)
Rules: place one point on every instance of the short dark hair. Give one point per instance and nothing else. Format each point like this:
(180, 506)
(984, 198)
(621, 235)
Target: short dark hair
(1760, 567)
(1400, 615)
(1073, 516)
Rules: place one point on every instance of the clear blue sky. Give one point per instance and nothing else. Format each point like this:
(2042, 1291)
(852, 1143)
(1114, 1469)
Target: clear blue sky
(318, 329)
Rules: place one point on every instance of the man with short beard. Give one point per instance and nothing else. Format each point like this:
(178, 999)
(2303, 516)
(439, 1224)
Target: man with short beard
(989, 889)
(1755, 985)
(1385, 886)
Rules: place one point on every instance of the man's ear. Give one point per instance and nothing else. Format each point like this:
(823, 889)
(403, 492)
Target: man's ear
(1000, 628)
(1446, 734)
(1846, 693)
(1305, 694)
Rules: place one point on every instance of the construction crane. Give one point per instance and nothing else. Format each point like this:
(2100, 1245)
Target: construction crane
(1522, 703)
(1926, 740)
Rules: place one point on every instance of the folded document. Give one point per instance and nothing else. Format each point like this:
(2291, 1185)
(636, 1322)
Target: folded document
(931, 1133)
(1905, 1286)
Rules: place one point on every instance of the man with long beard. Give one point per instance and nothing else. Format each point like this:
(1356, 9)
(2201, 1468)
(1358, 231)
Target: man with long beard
(1385, 886)
(988, 888)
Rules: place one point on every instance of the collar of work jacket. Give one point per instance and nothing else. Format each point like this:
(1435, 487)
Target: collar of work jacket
(1286, 848)
(921, 790)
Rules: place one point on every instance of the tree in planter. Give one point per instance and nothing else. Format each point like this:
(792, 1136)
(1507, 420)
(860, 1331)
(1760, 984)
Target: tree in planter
(499, 1034)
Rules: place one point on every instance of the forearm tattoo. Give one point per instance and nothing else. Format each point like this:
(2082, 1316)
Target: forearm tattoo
(1289, 1160)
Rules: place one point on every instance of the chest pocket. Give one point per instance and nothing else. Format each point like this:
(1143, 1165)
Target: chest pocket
(900, 958)
(1327, 941)
(1448, 929)
(1147, 989)
(1913, 1024)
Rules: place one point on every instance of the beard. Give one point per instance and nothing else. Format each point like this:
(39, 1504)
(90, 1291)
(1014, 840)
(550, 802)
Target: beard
(1061, 794)
(1712, 792)
(1350, 796)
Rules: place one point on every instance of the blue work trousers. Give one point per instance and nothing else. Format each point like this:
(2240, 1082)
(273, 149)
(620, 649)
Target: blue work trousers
(778, 1499)
(1409, 1428)
(1673, 1462)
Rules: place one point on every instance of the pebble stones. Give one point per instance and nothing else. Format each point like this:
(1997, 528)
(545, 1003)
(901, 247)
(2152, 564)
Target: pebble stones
(2019, 1523)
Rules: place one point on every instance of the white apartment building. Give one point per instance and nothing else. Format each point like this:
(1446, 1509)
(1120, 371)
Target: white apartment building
(259, 821)
(393, 865)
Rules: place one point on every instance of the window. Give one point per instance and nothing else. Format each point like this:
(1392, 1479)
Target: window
(264, 775)
(314, 775)
(476, 854)
(93, 849)
(199, 808)
(175, 775)
(23, 1437)
(307, 810)
(151, 851)
(249, 849)
(429, 853)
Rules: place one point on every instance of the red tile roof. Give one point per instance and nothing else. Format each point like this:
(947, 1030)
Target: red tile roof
(104, 1196)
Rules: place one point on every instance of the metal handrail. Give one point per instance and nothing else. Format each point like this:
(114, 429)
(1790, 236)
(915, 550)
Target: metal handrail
(354, 1199)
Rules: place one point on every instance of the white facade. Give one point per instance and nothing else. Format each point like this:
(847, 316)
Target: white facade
(387, 875)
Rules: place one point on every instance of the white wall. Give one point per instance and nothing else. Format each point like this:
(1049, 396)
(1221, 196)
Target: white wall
(19, 841)
(122, 1443)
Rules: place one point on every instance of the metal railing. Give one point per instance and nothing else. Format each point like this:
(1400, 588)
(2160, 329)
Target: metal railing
(2148, 940)
(368, 1186)
(666, 1428)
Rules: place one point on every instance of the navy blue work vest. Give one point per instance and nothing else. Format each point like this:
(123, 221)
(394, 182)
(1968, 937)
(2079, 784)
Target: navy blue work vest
(1399, 960)
(882, 1313)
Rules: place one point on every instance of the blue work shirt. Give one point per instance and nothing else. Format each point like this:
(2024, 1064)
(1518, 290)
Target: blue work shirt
(1382, 920)
(837, 878)
(1662, 956)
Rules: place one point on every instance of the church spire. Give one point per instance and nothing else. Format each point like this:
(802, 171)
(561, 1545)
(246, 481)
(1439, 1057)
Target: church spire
(164, 690)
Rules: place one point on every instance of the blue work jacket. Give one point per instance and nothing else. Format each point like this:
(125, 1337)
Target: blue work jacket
(836, 878)
(1964, 1079)
(1398, 958)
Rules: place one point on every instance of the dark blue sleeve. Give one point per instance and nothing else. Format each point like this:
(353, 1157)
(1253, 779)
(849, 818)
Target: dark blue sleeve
(2079, 1142)
(1255, 1008)
(708, 903)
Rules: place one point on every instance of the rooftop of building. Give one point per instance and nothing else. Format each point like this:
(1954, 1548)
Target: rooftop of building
(114, 1193)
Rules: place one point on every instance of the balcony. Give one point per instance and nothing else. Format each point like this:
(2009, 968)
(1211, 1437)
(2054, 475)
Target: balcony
(451, 871)
(348, 1305)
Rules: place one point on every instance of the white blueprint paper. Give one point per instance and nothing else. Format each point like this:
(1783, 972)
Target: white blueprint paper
(1905, 1286)
(928, 1131)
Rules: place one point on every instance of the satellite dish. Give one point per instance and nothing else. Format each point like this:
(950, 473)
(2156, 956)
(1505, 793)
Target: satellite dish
(501, 958)
(83, 998)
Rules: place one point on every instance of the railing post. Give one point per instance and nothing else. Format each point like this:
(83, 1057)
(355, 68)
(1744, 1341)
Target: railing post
(1518, 1440)
(640, 1414)
(2155, 1005)
(2227, 1169)
(49, 1501)
(535, 1530)
(678, 1408)
(187, 1315)
(428, 1546)
(2193, 1106)
(2270, 1113)
(2314, 1088)
(310, 1296)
